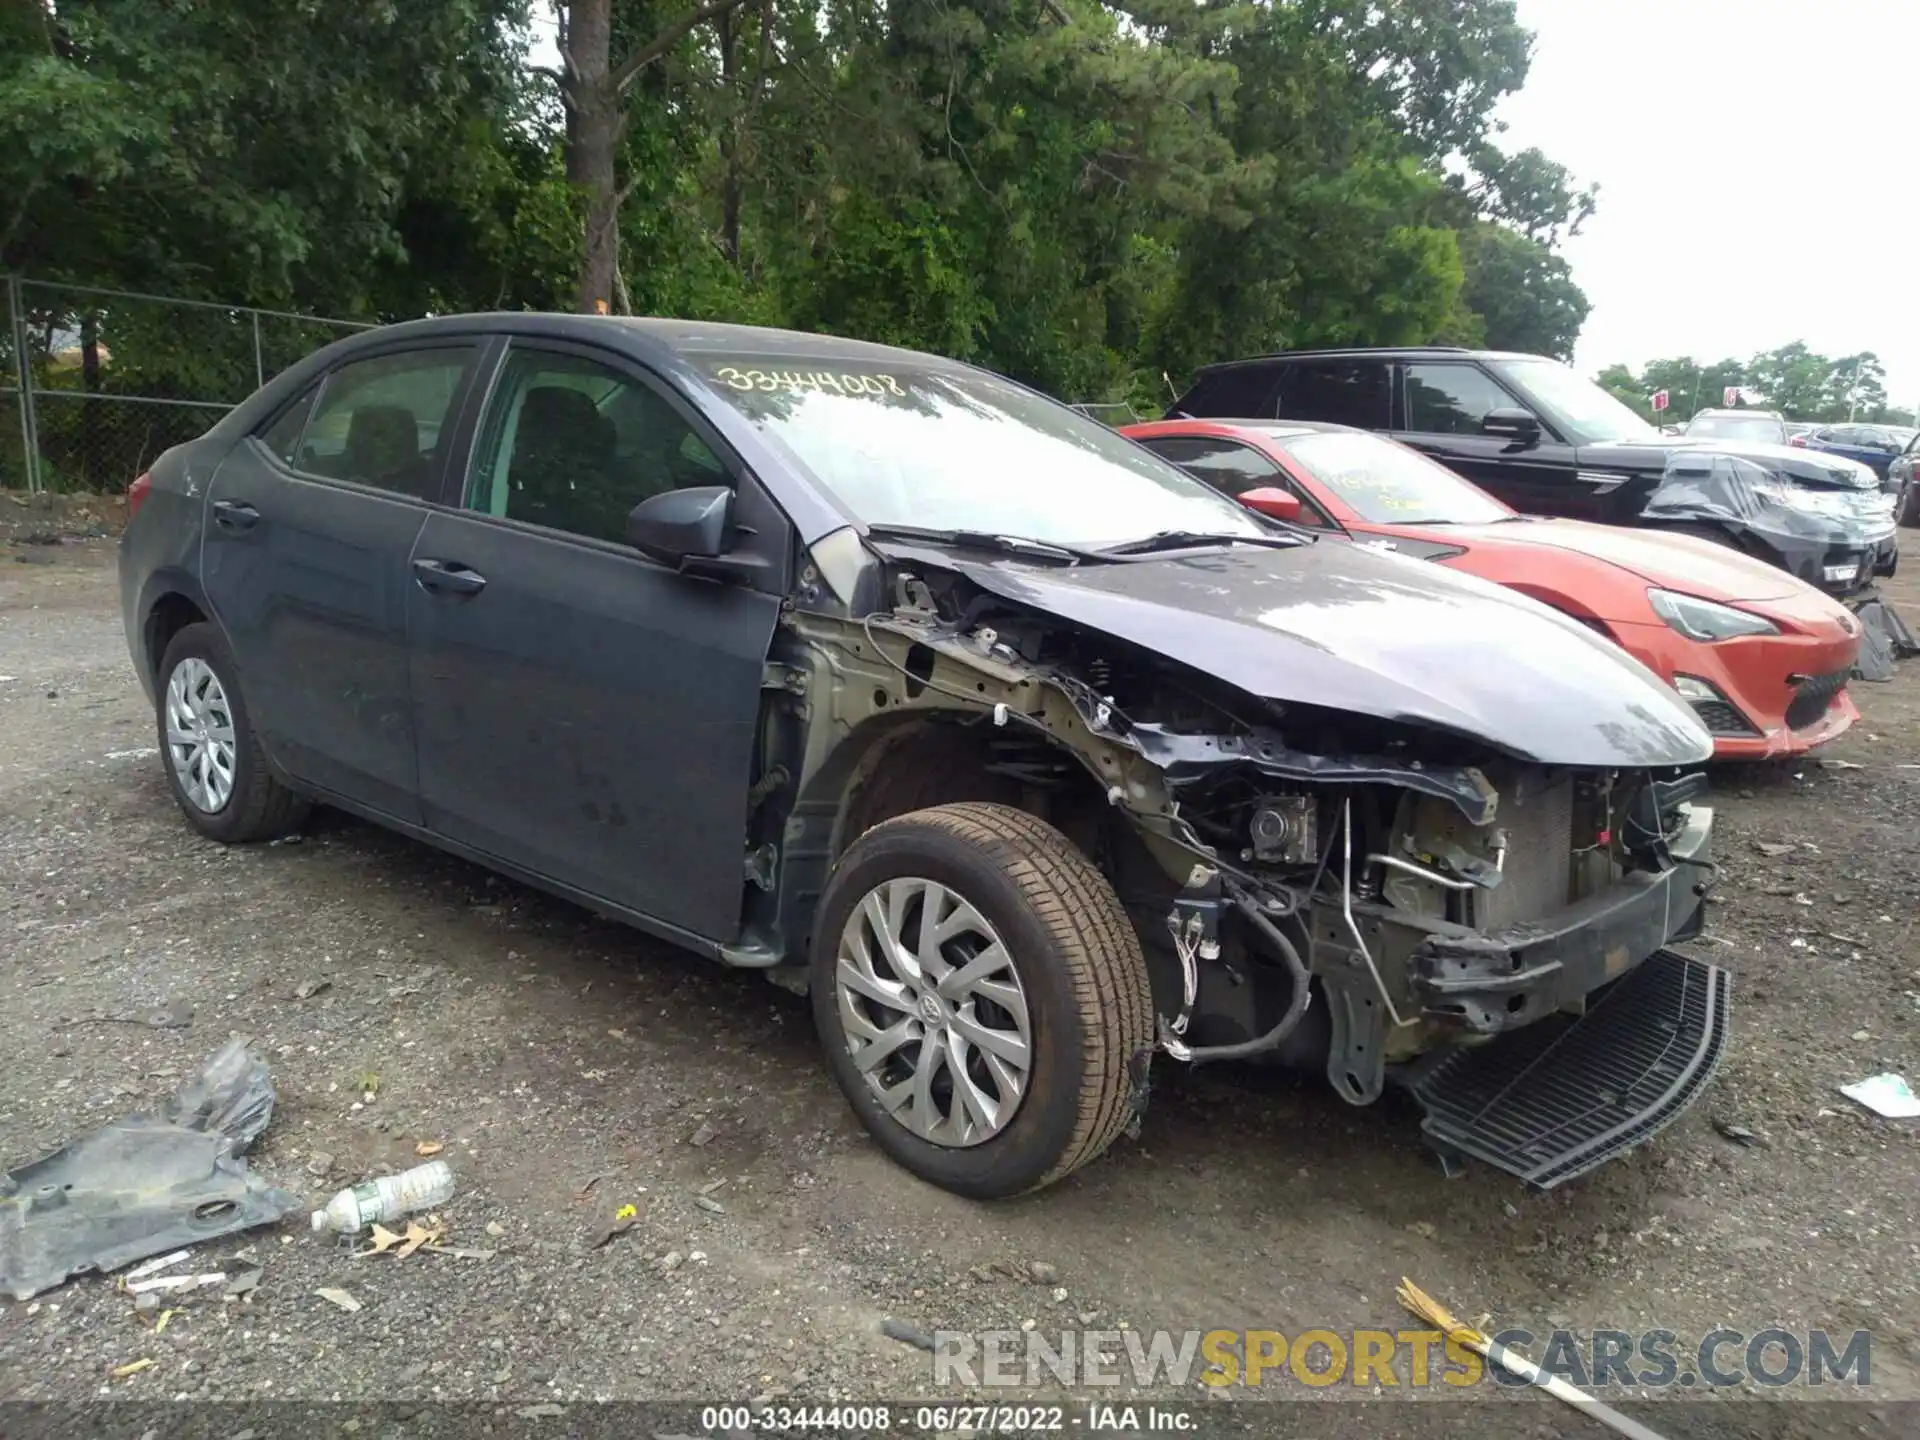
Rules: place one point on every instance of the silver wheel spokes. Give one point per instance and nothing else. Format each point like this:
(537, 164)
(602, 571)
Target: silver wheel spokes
(934, 1012)
(200, 741)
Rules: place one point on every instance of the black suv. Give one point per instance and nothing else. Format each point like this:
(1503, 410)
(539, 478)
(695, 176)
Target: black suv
(1550, 442)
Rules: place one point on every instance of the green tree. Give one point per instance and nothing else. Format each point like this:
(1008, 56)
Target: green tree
(1522, 292)
(1528, 192)
(596, 81)
(249, 151)
(1857, 386)
(1085, 195)
(1620, 382)
(1797, 381)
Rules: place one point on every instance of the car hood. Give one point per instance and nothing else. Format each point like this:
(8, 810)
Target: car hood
(1803, 467)
(1348, 628)
(1660, 557)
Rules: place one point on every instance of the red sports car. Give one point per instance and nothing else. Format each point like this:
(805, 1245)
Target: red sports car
(1762, 657)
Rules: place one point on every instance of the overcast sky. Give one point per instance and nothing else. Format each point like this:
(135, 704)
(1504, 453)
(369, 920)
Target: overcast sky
(1759, 172)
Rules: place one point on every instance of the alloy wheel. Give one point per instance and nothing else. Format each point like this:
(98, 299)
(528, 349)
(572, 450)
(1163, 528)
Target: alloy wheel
(200, 734)
(934, 1013)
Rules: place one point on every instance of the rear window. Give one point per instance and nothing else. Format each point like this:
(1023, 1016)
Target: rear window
(1340, 392)
(1242, 392)
(1739, 427)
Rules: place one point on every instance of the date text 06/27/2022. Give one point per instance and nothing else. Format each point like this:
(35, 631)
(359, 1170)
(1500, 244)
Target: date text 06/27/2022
(942, 1419)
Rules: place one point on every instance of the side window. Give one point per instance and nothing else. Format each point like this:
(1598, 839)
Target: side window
(1452, 399)
(1229, 467)
(282, 435)
(1341, 392)
(574, 445)
(1237, 392)
(380, 421)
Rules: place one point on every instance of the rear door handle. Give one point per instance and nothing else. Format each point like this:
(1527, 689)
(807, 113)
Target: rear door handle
(449, 576)
(235, 514)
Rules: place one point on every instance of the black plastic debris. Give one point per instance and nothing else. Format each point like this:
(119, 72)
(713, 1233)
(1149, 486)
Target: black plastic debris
(144, 1184)
(1884, 639)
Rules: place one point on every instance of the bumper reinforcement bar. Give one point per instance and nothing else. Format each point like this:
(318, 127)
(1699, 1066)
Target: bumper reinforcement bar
(1558, 1098)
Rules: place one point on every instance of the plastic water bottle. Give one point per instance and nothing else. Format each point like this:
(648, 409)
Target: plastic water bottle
(382, 1201)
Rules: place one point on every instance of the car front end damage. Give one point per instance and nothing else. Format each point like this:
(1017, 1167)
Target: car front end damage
(1386, 901)
(1824, 520)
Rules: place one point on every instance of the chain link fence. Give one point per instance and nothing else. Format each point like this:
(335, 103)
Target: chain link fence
(95, 383)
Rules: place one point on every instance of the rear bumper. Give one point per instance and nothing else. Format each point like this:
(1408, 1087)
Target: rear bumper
(1558, 1099)
(1491, 981)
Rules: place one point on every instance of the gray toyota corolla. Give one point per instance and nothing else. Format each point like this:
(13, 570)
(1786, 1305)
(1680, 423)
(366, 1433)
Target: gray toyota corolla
(1028, 757)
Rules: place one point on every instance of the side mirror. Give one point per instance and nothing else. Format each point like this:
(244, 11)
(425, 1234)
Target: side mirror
(1273, 502)
(1511, 423)
(681, 525)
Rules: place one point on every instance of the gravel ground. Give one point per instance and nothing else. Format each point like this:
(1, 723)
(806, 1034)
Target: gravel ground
(570, 1066)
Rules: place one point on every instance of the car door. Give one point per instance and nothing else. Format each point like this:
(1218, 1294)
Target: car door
(1854, 442)
(584, 713)
(310, 526)
(1443, 406)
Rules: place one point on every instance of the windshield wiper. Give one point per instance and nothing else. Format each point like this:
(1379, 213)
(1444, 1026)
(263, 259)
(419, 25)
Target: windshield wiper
(990, 540)
(1191, 539)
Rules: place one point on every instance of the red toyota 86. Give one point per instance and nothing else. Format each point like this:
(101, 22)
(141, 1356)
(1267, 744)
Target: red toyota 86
(1762, 657)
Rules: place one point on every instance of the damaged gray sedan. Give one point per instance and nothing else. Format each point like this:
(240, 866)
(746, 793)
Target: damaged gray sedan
(1031, 759)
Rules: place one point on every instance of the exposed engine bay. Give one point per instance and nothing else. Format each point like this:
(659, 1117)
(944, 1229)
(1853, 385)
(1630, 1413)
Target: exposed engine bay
(1312, 886)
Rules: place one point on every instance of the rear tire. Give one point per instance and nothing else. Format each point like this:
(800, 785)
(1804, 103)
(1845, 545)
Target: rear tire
(213, 760)
(1074, 984)
(1909, 513)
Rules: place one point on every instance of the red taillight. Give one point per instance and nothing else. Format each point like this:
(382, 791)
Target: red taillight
(137, 494)
(1799, 440)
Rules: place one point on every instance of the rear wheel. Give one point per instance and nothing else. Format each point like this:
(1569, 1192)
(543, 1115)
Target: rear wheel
(1909, 513)
(981, 996)
(212, 757)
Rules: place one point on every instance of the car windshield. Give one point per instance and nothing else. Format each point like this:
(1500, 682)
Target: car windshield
(1739, 427)
(1385, 483)
(1588, 413)
(943, 448)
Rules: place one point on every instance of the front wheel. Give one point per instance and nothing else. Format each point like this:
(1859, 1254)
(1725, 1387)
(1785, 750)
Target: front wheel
(213, 759)
(981, 996)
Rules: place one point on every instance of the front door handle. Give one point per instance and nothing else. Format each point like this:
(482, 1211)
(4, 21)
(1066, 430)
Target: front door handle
(235, 515)
(449, 576)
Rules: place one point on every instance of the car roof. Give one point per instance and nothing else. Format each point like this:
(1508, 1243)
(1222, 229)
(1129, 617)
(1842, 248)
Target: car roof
(1269, 429)
(1715, 413)
(1381, 352)
(681, 337)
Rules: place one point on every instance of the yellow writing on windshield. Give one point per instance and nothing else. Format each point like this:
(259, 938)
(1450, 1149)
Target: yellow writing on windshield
(800, 381)
(1356, 486)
